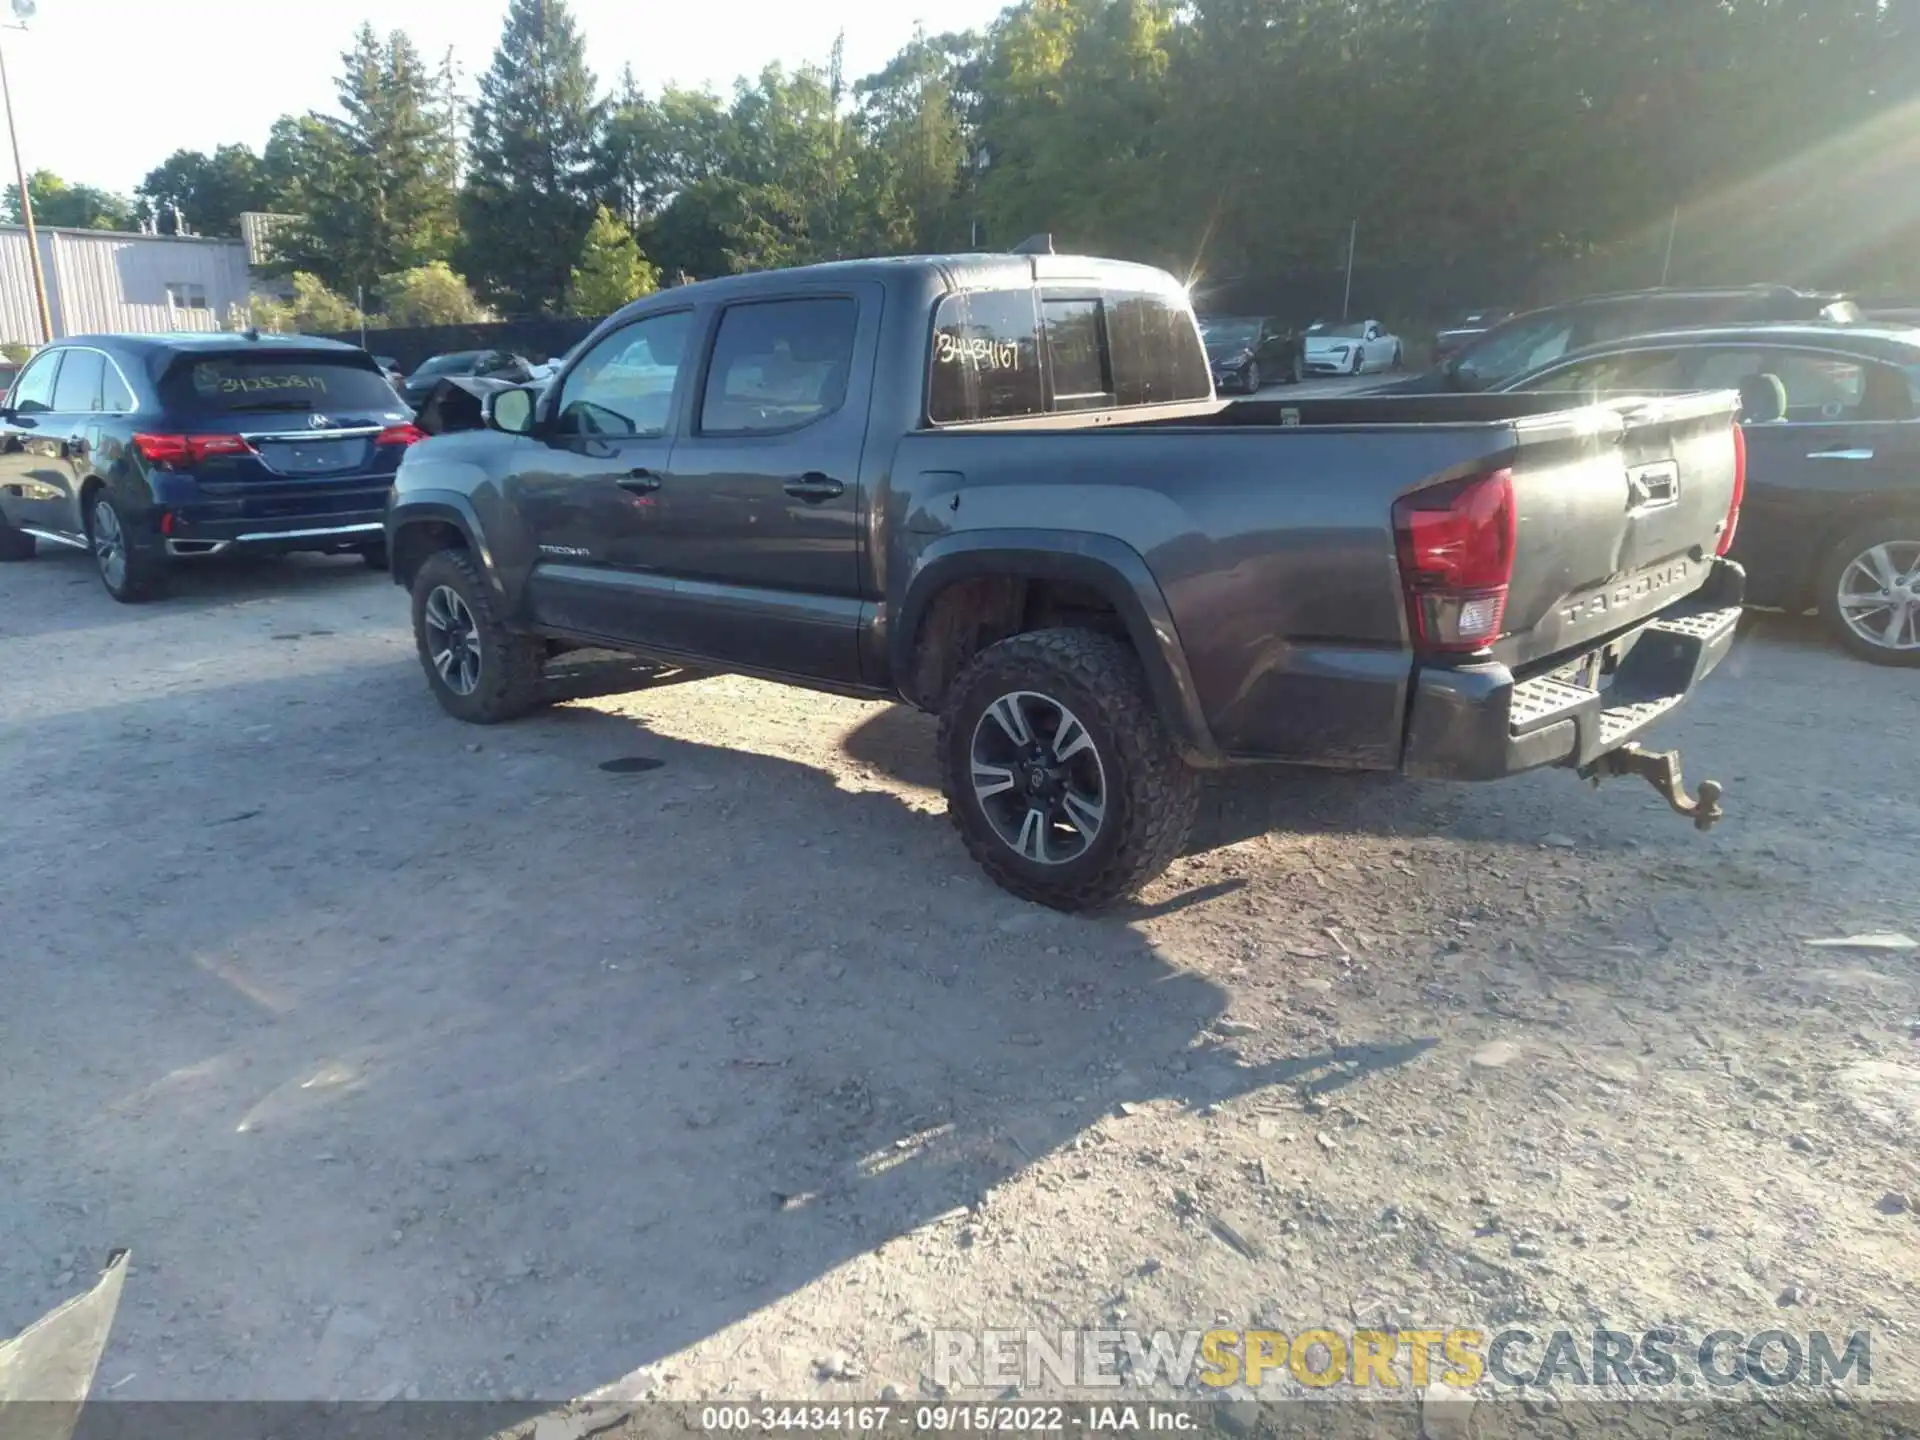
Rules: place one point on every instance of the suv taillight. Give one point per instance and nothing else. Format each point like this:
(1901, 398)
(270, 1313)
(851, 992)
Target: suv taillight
(400, 435)
(188, 449)
(1739, 491)
(1456, 560)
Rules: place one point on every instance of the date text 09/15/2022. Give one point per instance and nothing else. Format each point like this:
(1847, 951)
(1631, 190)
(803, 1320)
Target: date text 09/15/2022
(949, 1419)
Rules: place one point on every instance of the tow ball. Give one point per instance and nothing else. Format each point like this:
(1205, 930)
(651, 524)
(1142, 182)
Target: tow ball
(1661, 769)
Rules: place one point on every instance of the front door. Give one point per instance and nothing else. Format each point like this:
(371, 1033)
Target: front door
(34, 470)
(761, 509)
(588, 483)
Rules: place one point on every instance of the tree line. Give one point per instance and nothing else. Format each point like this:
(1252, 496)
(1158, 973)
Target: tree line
(1478, 143)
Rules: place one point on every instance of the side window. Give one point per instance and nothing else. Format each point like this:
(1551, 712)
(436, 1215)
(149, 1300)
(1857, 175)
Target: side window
(1155, 351)
(1647, 372)
(1077, 354)
(33, 391)
(1725, 369)
(624, 385)
(1820, 387)
(1515, 351)
(986, 358)
(78, 390)
(779, 364)
(115, 398)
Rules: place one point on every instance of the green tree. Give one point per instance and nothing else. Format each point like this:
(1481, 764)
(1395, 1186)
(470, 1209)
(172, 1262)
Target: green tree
(533, 159)
(372, 186)
(313, 309)
(611, 272)
(212, 191)
(430, 294)
(77, 207)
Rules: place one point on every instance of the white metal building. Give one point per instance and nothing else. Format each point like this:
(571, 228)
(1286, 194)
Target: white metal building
(107, 280)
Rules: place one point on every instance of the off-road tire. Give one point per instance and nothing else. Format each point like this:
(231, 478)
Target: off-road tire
(146, 573)
(1890, 528)
(509, 684)
(1152, 794)
(15, 544)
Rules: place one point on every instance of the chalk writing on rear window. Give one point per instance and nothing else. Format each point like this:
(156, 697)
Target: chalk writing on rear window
(208, 380)
(980, 351)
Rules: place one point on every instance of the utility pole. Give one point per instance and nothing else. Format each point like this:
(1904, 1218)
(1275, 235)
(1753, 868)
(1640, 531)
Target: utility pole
(24, 8)
(1353, 237)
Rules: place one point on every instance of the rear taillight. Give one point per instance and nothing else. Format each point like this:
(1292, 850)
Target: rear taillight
(188, 449)
(400, 435)
(1739, 491)
(1456, 560)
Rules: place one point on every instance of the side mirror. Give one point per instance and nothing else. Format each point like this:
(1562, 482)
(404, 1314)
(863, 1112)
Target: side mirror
(509, 411)
(1763, 399)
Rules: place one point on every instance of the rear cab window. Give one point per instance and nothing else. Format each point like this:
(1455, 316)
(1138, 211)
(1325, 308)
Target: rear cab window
(1008, 354)
(242, 382)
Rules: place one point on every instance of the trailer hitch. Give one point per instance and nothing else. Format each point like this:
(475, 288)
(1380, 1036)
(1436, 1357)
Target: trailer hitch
(1661, 769)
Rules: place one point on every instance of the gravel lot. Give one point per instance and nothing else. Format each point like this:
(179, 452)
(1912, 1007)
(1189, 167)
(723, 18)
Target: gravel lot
(415, 1059)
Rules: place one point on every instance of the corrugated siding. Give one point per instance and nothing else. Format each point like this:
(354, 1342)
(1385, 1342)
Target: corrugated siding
(102, 281)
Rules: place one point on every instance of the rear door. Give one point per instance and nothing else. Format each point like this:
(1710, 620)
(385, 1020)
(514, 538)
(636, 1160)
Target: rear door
(759, 515)
(588, 485)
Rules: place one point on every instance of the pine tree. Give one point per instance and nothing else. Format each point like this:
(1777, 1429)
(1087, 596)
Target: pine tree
(371, 186)
(531, 160)
(611, 272)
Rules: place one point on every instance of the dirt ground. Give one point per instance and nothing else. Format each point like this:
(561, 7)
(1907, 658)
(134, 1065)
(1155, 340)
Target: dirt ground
(414, 1059)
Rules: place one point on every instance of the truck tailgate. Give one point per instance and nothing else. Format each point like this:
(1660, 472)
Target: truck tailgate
(1619, 515)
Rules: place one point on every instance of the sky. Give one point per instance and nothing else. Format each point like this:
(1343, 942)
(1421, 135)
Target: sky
(104, 90)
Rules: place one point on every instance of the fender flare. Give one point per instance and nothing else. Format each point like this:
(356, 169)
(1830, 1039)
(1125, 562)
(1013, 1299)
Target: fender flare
(1109, 567)
(446, 507)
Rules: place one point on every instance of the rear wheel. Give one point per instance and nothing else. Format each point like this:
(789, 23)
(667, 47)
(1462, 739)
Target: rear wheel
(1359, 361)
(478, 669)
(1399, 358)
(129, 570)
(1059, 775)
(1296, 368)
(1870, 591)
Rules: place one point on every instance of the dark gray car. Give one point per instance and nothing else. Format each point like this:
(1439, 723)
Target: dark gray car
(1001, 489)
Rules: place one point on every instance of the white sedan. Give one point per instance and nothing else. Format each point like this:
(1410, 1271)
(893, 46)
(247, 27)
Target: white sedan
(1352, 349)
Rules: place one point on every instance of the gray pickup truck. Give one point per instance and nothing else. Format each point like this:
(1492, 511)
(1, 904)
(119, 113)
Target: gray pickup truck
(1000, 488)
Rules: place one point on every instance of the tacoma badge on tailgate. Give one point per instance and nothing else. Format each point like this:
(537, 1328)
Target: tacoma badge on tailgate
(1665, 577)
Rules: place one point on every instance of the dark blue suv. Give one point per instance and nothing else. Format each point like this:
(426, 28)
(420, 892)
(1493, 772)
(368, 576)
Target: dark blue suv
(147, 449)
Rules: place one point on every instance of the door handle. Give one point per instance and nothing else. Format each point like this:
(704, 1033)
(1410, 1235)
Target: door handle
(814, 486)
(1841, 455)
(641, 482)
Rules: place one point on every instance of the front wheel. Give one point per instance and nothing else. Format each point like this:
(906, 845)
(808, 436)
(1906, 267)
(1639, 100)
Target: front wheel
(1359, 362)
(1296, 369)
(1870, 591)
(1253, 377)
(478, 670)
(1399, 358)
(1059, 775)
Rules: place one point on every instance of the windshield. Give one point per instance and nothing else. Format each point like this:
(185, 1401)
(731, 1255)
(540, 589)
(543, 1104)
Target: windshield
(461, 363)
(1230, 334)
(250, 380)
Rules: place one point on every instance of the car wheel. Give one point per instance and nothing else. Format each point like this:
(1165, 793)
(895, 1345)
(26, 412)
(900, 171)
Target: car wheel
(129, 571)
(1252, 377)
(15, 544)
(375, 556)
(1870, 591)
(1359, 362)
(1297, 369)
(478, 669)
(1399, 358)
(1059, 776)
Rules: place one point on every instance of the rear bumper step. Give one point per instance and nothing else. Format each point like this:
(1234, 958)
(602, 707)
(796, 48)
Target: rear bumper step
(1476, 722)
